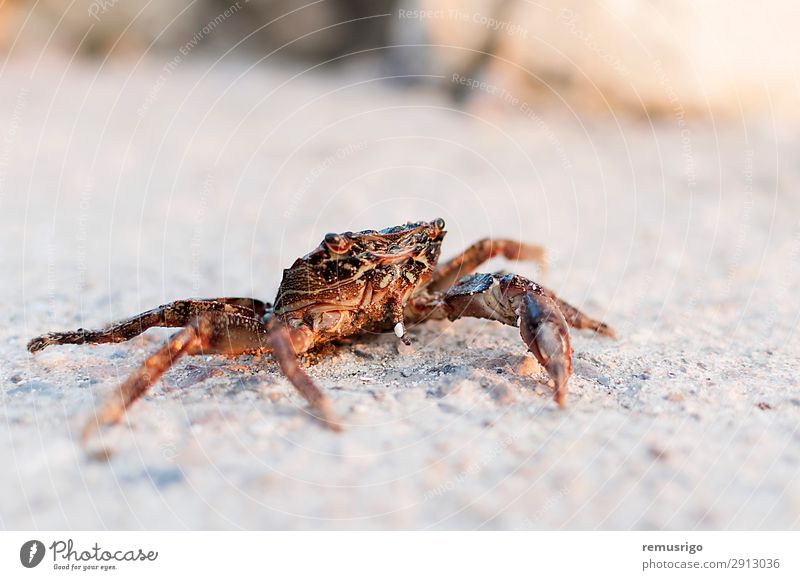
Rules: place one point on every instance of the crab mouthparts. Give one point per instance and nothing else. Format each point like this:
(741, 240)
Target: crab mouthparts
(395, 257)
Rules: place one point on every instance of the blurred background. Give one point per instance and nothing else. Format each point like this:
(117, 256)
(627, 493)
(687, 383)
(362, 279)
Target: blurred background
(152, 151)
(636, 56)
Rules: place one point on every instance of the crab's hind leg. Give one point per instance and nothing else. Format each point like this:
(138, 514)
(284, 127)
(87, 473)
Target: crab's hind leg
(478, 253)
(206, 333)
(259, 307)
(214, 332)
(516, 301)
(174, 314)
(577, 319)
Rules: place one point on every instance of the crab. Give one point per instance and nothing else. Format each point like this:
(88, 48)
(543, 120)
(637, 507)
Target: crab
(351, 284)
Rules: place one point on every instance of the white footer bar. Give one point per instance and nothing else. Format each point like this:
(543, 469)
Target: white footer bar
(406, 555)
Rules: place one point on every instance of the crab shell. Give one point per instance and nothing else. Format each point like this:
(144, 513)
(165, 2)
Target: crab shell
(355, 280)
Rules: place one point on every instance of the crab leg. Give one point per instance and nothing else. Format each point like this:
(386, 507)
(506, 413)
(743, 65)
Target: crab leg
(137, 384)
(174, 314)
(218, 327)
(397, 311)
(207, 333)
(478, 253)
(577, 319)
(285, 343)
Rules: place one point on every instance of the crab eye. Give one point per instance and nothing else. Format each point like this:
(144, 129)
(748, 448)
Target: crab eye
(337, 243)
(439, 223)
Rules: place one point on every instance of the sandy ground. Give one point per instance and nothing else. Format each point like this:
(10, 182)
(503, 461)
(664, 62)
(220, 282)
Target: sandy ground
(120, 191)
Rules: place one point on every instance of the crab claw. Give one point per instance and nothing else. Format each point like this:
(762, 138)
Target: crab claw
(544, 331)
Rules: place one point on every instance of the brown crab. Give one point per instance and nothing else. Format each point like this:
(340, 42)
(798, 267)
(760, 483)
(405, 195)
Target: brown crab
(369, 281)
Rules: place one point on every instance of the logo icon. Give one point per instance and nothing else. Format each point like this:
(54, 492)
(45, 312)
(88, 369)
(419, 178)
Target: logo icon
(31, 553)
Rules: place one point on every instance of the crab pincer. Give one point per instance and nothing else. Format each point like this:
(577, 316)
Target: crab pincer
(542, 318)
(544, 331)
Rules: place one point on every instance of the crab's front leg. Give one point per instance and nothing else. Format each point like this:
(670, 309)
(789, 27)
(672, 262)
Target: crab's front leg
(397, 306)
(286, 343)
(516, 301)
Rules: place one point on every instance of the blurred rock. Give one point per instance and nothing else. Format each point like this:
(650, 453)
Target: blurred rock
(98, 27)
(319, 31)
(673, 58)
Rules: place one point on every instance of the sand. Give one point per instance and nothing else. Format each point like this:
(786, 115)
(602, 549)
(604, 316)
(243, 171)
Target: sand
(128, 185)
